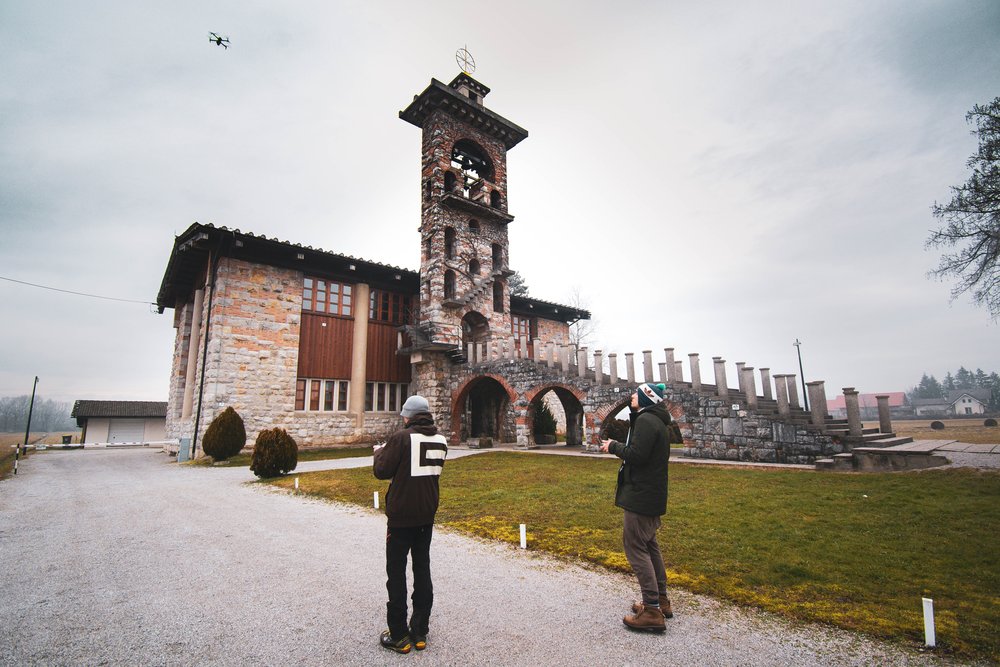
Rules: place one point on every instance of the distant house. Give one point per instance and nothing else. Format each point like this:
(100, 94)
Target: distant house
(121, 421)
(869, 405)
(968, 401)
(930, 407)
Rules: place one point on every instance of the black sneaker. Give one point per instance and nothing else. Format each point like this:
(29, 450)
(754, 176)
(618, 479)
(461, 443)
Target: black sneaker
(419, 641)
(398, 645)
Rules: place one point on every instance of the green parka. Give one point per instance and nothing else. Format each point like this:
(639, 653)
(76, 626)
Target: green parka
(642, 478)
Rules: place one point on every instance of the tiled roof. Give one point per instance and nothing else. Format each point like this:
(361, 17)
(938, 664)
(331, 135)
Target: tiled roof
(119, 409)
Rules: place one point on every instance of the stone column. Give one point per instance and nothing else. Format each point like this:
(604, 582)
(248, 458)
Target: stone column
(793, 390)
(821, 392)
(550, 358)
(613, 367)
(663, 371)
(564, 358)
(630, 367)
(484, 351)
(512, 353)
(740, 382)
(470, 353)
(721, 388)
(581, 362)
(818, 416)
(194, 345)
(884, 419)
(853, 411)
(524, 347)
(599, 367)
(647, 365)
(695, 371)
(668, 353)
(679, 371)
(781, 394)
(536, 349)
(765, 383)
(359, 354)
(748, 386)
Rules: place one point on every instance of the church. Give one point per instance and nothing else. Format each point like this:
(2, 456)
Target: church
(328, 346)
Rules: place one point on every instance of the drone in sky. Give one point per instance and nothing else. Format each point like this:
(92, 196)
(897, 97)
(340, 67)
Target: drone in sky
(221, 41)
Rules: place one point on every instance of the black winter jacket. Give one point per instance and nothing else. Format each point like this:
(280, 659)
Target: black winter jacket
(413, 459)
(642, 478)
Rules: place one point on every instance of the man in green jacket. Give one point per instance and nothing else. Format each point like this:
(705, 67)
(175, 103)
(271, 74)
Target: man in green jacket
(642, 493)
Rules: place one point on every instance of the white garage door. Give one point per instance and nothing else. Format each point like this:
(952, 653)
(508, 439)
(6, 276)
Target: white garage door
(126, 430)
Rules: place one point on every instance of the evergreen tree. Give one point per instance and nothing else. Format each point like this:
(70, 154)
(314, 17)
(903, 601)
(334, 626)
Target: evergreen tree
(949, 382)
(994, 392)
(964, 379)
(982, 380)
(929, 387)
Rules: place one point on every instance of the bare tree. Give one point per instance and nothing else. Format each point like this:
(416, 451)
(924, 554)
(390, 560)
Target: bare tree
(972, 218)
(581, 332)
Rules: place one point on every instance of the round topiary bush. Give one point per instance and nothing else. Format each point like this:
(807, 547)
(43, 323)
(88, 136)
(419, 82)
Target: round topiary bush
(937, 426)
(275, 453)
(990, 422)
(225, 436)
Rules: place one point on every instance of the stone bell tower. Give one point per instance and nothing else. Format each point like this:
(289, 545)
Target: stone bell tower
(464, 296)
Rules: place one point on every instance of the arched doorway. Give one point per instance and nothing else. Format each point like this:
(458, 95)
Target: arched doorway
(565, 408)
(475, 330)
(485, 410)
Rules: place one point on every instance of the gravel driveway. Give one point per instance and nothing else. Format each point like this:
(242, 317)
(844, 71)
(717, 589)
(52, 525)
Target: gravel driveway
(123, 557)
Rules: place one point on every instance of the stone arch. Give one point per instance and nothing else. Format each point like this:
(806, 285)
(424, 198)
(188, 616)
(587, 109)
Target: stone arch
(483, 406)
(474, 267)
(449, 242)
(571, 400)
(472, 159)
(475, 329)
(449, 284)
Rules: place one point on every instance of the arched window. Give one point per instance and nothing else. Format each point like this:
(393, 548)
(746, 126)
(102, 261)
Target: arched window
(449, 284)
(474, 226)
(474, 267)
(449, 242)
(498, 296)
(428, 189)
(427, 247)
(495, 200)
(472, 160)
(497, 257)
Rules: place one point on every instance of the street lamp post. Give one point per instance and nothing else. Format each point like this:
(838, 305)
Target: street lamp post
(27, 428)
(802, 374)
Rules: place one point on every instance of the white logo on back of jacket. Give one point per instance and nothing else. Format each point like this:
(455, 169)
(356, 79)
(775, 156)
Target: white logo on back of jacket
(427, 454)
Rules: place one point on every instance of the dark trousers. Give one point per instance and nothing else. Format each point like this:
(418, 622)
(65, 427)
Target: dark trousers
(643, 554)
(398, 543)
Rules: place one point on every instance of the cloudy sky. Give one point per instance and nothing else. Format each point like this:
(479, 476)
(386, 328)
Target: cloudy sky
(718, 177)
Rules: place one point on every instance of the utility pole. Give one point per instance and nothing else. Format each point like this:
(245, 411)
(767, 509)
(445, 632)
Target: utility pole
(802, 374)
(27, 428)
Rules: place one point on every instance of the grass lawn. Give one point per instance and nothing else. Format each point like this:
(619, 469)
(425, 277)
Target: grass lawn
(854, 550)
(963, 430)
(318, 454)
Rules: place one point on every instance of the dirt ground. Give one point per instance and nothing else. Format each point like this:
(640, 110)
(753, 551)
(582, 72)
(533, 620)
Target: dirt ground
(963, 430)
(11, 439)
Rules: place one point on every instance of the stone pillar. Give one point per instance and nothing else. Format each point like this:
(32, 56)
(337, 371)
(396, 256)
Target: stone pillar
(793, 390)
(647, 366)
(512, 352)
(613, 367)
(781, 394)
(668, 353)
(550, 359)
(581, 362)
(818, 415)
(663, 371)
(470, 353)
(630, 367)
(749, 387)
(679, 371)
(598, 367)
(721, 387)
(194, 345)
(740, 382)
(765, 383)
(695, 371)
(564, 358)
(884, 419)
(524, 347)
(359, 354)
(821, 392)
(484, 351)
(536, 349)
(853, 411)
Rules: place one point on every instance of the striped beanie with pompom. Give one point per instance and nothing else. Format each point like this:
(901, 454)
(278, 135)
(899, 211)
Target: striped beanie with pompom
(650, 394)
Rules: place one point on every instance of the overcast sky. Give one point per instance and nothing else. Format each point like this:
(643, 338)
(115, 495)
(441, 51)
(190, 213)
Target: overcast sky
(717, 177)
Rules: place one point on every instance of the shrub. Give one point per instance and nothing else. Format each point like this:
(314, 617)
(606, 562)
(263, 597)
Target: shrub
(485, 443)
(274, 453)
(616, 429)
(937, 426)
(990, 422)
(545, 422)
(225, 436)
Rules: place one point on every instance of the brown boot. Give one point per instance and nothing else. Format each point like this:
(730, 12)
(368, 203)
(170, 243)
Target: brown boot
(664, 607)
(647, 618)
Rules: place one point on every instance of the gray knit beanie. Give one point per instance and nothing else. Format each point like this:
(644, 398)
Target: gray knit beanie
(414, 405)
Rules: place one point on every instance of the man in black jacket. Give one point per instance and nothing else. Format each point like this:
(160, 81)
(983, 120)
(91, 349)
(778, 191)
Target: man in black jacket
(413, 459)
(642, 493)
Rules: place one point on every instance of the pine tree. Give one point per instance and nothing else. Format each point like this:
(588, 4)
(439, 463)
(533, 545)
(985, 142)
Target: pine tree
(949, 382)
(964, 379)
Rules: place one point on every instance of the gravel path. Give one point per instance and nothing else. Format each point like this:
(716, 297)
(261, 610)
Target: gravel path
(124, 558)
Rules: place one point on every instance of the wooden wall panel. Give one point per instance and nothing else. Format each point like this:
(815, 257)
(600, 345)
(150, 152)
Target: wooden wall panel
(325, 351)
(384, 365)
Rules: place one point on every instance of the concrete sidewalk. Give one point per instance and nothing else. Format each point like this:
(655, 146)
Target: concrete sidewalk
(121, 557)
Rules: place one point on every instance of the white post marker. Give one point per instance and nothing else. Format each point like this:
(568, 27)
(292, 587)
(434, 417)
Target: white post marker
(524, 537)
(376, 500)
(929, 638)
(296, 484)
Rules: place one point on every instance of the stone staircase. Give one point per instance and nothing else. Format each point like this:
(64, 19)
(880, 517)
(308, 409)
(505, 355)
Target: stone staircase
(479, 288)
